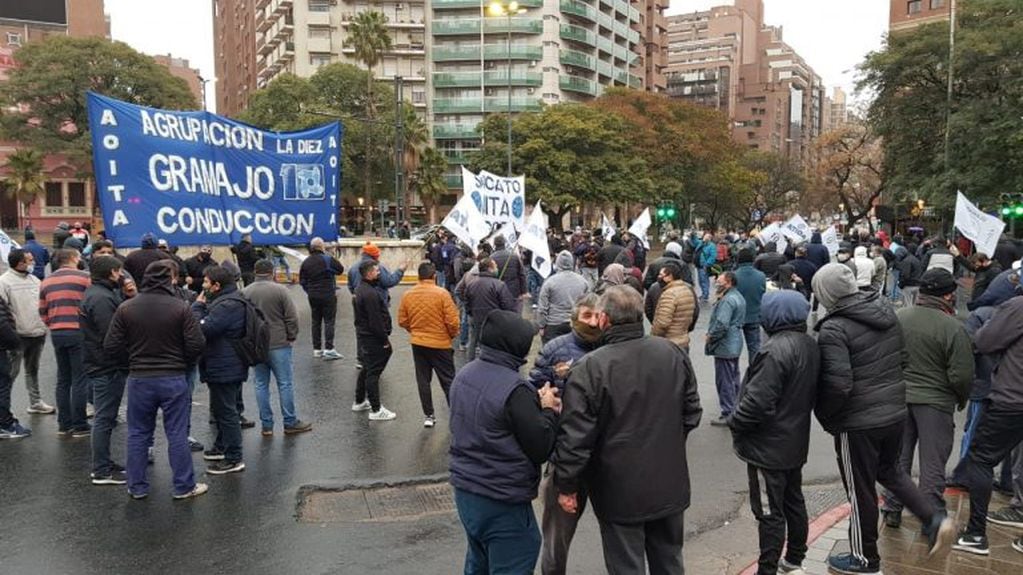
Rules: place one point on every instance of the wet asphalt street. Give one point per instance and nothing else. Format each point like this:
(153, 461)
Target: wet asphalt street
(55, 521)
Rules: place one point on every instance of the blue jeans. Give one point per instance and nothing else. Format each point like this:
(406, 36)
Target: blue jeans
(502, 537)
(281, 261)
(441, 279)
(224, 402)
(109, 390)
(146, 396)
(752, 333)
(72, 386)
(704, 279)
(726, 378)
(280, 365)
(534, 281)
(463, 318)
(895, 293)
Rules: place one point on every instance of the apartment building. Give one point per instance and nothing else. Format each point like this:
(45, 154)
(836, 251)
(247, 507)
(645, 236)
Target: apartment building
(550, 52)
(908, 14)
(727, 58)
(182, 69)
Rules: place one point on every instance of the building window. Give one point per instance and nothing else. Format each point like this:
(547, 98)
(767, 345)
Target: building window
(418, 97)
(319, 32)
(319, 5)
(914, 6)
(935, 4)
(76, 194)
(318, 60)
(54, 195)
(13, 39)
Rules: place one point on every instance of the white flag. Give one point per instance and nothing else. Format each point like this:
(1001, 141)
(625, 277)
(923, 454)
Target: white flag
(640, 226)
(773, 233)
(607, 227)
(467, 223)
(6, 243)
(534, 239)
(510, 232)
(295, 254)
(830, 240)
(982, 229)
(797, 229)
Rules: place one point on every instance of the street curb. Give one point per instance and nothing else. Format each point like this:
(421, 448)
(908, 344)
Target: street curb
(819, 526)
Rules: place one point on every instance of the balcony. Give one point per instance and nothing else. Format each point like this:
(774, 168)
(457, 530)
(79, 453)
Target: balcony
(490, 104)
(320, 45)
(317, 18)
(285, 27)
(578, 59)
(622, 77)
(580, 85)
(288, 54)
(458, 156)
(635, 81)
(490, 52)
(578, 34)
(455, 131)
(263, 47)
(491, 78)
(283, 6)
(605, 69)
(453, 180)
(581, 9)
(471, 26)
(605, 45)
(458, 4)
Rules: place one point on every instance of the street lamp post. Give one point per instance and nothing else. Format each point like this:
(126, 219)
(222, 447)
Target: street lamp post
(507, 10)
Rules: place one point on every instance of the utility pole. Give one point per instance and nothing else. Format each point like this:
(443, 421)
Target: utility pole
(399, 148)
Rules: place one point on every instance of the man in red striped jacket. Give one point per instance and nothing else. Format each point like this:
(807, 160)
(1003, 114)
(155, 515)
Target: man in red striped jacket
(59, 298)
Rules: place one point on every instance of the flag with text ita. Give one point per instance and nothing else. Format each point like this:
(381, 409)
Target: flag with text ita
(467, 223)
(534, 239)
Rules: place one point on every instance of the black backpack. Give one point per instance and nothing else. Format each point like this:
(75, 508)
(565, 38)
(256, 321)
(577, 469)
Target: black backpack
(254, 346)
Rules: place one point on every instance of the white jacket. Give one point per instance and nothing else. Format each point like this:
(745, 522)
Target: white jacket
(21, 293)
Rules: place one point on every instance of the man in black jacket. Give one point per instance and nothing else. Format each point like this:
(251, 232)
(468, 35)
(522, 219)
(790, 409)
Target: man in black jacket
(9, 340)
(372, 333)
(318, 277)
(910, 270)
(195, 268)
(156, 336)
(862, 402)
(509, 270)
(482, 294)
(106, 377)
(771, 429)
(627, 437)
(137, 261)
(247, 256)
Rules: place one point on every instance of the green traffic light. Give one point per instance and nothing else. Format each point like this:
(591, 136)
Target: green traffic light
(1018, 210)
(671, 212)
(660, 212)
(1006, 211)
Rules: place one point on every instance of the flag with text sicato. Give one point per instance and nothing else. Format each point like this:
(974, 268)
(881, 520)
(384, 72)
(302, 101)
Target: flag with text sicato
(198, 178)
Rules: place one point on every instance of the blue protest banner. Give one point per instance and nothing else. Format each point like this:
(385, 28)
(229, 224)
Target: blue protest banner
(199, 178)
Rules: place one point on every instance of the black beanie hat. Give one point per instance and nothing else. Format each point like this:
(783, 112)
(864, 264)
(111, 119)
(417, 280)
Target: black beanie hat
(937, 282)
(746, 256)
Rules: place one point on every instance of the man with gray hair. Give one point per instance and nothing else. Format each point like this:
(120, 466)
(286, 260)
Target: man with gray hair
(636, 427)
(318, 277)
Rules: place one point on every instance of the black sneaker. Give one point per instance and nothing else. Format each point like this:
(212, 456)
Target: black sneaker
(225, 467)
(213, 455)
(195, 446)
(111, 478)
(846, 564)
(1007, 516)
(81, 432)
(299, 427)
(246, 423)
(892, 519)
(976, 544)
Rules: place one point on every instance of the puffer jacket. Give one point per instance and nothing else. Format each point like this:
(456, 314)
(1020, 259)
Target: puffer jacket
(650, 277)
(673, 317)
(20, 291)
(634, 471)
(483, 294)
(909, 268)
(724, 334)
(559, 293)
(998, 292)
(222, 320)
(568, 348)
(429, 314)
(861, 385)
(771, 424)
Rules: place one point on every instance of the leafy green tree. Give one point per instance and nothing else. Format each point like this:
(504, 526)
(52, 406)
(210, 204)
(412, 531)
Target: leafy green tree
(777, 184)
(428, 180)
(909, 78)
(25, 180)
(43, 101)
(570, 154)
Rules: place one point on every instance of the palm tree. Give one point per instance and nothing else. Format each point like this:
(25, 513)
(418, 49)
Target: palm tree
(417, 137)
(368, 35)
(429, 180)
(25, 180)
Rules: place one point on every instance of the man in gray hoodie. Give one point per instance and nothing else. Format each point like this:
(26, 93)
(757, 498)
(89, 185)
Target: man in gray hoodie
(557, 298)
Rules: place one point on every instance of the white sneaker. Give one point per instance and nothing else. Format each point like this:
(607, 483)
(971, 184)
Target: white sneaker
(430, 421)
(41, 407)
(332, 354)
(196, 491)
(90, 411)
(317, 353)
(383, 414)
(364, 406)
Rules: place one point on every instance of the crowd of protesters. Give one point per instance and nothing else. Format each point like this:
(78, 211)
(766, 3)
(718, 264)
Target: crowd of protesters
(870, 340)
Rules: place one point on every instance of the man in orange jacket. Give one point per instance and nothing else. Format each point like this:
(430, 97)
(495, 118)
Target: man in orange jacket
(429, 314)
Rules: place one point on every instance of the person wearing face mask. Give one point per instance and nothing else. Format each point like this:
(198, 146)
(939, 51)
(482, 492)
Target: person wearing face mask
(623, 435)
(195, 268)
(676, 308)
(938, 370)
(724, 343)
(552, 366)
(373, 344)
(19, 289)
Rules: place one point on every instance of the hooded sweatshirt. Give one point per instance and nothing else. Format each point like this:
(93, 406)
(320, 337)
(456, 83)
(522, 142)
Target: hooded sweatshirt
(155, 333)
(614, 275)
(864, 267)
(560, 292)
(861, 345)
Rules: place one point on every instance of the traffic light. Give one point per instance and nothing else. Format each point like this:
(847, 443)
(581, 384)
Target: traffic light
(665, 212)
(1012, 205)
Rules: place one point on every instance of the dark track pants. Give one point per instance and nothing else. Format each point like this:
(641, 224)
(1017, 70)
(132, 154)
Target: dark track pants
(932, 432)
(776, 498)
(999, 431)
(428, 361)
(656, 543)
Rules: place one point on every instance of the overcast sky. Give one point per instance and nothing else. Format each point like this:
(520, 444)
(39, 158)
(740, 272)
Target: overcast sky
(832, 35)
